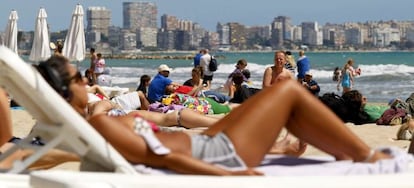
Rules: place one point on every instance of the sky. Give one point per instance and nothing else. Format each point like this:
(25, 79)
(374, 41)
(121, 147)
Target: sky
(209, 12)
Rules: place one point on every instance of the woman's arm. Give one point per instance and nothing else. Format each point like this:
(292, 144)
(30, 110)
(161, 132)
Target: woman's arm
(185, 164)
(6, 128)
(232, 89)
(119, 133)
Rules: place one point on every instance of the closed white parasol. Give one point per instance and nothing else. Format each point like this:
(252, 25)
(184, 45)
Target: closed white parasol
(74, 46)
(10, 39)
(40, 49)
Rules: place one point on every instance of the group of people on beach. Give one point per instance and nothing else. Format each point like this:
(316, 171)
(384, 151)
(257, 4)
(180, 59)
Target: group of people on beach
(232, 145)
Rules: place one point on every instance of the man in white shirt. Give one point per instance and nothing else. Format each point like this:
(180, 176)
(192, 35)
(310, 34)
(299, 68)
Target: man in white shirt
(208, 75)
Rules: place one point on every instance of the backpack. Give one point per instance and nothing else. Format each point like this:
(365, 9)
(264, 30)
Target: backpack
(212, 66)
(336, 103)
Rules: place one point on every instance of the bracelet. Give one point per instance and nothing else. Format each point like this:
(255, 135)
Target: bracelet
(370, 155)
(179, 117)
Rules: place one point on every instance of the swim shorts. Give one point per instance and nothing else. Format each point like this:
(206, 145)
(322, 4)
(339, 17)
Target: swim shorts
(217, 150)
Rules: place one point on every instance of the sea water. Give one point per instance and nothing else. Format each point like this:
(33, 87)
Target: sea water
(385, 75)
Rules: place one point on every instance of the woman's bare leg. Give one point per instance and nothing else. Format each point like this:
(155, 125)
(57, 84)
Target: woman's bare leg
(5, 117)
(254, 126)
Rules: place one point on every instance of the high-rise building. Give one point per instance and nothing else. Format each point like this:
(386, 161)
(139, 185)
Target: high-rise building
(224, 33)
(146, 37)
(169, 23)
(139, 14)
(311, 35)
(99, 20)
(286, 26)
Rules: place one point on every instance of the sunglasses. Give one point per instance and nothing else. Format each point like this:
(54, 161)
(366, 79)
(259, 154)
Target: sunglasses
(77, 77)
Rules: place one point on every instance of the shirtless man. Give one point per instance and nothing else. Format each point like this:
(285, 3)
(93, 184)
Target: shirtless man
(277, 72)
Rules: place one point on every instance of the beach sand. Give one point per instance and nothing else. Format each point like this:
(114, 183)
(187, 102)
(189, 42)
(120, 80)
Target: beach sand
(373, 135)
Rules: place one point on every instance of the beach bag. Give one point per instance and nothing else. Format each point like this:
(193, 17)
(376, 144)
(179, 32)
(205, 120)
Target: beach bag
(396, 121)
(336, 103)
(410, 104)
(404, 132)
(392, 115)
(212, 66)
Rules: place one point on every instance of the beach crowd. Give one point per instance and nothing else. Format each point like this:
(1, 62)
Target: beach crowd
(240, 124)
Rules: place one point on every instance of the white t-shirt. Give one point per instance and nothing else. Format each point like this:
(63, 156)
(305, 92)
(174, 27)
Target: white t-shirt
(204, 62)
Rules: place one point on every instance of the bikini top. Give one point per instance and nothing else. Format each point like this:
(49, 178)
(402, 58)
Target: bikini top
(146, 129)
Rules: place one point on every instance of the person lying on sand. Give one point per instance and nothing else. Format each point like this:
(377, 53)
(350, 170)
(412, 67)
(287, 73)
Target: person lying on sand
(235, 144)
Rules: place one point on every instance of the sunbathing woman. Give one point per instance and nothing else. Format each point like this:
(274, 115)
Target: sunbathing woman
(239, 141)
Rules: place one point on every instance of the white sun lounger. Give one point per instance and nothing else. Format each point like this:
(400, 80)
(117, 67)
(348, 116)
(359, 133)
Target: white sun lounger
(62, 127)
(57, 123)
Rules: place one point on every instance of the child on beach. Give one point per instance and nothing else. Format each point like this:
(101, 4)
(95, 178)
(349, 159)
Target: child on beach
(243, 137)
(240, 66)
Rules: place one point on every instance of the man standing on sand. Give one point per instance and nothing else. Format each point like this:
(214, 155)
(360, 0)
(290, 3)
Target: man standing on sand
(303, 65)
(197, 58)
(94, 58)
(208, 75)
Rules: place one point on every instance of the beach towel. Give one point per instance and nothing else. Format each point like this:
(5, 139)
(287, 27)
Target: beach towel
(280, 165)
(128, 102)
(198, 104)
(375, 111)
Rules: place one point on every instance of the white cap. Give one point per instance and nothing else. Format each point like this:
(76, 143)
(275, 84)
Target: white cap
(309, 73)
(163, 67)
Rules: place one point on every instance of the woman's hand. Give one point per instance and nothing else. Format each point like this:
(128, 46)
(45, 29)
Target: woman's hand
(248, 172)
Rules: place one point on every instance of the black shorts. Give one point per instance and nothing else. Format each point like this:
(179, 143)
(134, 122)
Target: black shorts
(206, 78)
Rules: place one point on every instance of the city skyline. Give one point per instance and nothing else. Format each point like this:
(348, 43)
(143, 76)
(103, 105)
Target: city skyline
(249, 13)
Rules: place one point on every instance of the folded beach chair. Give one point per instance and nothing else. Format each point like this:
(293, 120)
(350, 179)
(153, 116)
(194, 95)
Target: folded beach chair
(57, 123)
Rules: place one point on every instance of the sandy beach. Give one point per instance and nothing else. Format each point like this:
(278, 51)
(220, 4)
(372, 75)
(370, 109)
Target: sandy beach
(372, 134)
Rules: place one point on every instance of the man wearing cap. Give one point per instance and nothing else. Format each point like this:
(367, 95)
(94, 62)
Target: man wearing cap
(157, 86)
(311, 84)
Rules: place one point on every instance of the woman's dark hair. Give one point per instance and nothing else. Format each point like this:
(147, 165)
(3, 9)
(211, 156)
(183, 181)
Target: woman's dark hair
(144, 79)
(199, 70)
(55, 72)
(238, 78)
(353, 100)
(88, 75)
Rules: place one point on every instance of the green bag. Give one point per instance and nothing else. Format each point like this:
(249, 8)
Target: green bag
(375, 110)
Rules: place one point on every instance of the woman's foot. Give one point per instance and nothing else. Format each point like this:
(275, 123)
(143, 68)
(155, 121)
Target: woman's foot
(284, 147)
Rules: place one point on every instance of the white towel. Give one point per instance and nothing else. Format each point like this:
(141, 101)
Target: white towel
(278, 165)
(129, 101)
